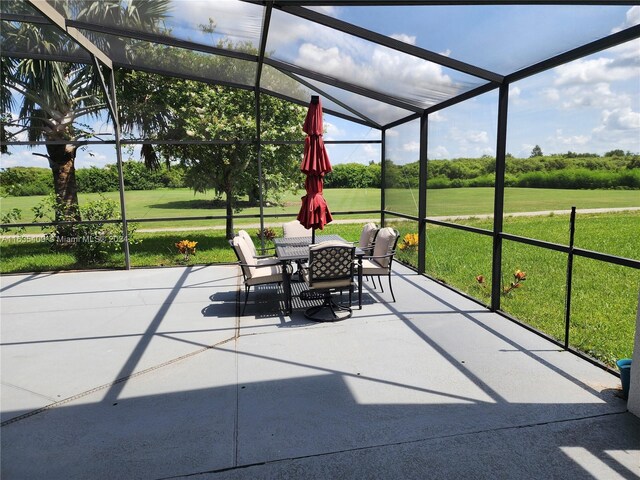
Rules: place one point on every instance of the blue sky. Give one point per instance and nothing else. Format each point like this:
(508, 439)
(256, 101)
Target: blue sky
(590, 105)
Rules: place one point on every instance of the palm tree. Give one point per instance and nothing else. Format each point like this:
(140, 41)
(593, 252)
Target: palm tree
(53, 95)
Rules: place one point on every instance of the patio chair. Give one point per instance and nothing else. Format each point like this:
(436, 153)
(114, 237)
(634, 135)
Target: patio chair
(247, 238)
(380, 262)
(330, 269)
(295, 229)
(367, 237)
(258, 271)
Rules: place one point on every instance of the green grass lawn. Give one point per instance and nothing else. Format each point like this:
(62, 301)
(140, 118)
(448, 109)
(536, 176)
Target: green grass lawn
(478, 201)
(146, 204)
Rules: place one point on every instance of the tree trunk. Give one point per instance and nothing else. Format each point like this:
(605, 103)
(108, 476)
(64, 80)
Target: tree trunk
(62, 162)
(229, 201)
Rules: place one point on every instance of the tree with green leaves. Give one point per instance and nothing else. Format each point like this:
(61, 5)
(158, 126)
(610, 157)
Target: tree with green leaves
(165, 108)
(536, 152)
(53, 96)
(173, 109)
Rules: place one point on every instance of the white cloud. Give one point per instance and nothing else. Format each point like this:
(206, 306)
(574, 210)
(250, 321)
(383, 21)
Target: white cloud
(618, 128)
(590, 82)
(372, 151)
(632, 18)
(326, 10)
(551, 94)
(378, 68)
(514, 92)
(466, 137)
(619, 119)
(22, 157)
(437, 117)
(237, 20)
(332, 131)
(595, 70)
(571, 141)
(410, 39)
(411, 147)
(439, 152)
(478, 137)
(599, 95)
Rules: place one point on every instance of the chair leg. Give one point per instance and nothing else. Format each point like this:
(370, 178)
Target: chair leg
(391, 288)
(332, 307)
(246, 297)
(380, 282)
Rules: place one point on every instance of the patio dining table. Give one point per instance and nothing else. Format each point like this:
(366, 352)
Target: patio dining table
(291, 249)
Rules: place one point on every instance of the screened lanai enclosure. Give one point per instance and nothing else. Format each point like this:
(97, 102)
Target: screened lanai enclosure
(408, 86)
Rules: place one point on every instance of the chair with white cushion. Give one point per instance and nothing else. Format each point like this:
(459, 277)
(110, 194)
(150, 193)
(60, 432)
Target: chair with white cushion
(247, 238)
(379, 263)
(367, 237)
(259, 271)
(295, 229)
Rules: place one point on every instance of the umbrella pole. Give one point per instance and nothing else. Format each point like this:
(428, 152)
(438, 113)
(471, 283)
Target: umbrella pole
(313, 236)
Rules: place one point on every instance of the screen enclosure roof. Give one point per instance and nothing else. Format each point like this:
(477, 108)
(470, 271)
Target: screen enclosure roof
(378, 63)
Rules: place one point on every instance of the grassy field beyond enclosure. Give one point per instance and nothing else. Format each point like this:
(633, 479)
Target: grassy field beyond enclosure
(145, 204)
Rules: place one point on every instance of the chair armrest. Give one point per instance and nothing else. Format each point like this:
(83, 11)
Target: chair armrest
(254, 265)
(286, 266)
(388, 255)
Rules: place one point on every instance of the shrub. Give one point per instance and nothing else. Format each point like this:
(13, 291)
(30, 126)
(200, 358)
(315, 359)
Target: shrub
(97, 180)
(439, 182)
(25, 181)
(89, 243)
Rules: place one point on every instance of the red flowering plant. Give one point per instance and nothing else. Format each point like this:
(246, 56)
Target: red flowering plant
(518, 277)
(266, 234)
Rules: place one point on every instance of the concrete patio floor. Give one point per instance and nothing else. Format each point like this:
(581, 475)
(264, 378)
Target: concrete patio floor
(152, 374)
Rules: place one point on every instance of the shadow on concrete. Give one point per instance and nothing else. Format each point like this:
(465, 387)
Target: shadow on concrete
(307, 421)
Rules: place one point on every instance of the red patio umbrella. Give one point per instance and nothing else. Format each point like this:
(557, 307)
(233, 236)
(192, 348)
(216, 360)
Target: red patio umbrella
(314, 212)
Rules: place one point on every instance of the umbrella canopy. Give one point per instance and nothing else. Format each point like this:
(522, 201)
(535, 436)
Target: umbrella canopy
(314, 212)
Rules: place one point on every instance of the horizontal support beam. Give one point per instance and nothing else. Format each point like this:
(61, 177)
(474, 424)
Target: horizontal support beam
(393, 3)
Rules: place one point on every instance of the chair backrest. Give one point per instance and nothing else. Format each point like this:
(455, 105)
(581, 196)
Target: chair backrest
(331, 262)
(295, 229)
(244, 254)
(367, 235)
(385, 244)
(247, 238)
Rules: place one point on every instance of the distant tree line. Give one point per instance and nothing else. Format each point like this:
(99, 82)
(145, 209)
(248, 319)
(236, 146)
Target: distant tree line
(575, 171)
(578, 171)
(25, 181)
